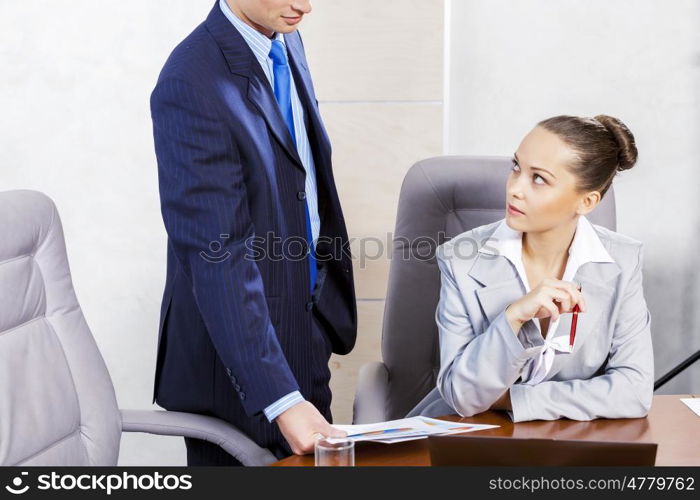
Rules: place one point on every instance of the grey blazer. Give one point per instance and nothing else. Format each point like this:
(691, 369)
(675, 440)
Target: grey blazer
(610, 372)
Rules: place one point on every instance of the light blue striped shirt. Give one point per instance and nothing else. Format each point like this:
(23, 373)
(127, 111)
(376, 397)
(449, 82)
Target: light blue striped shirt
(261, 45)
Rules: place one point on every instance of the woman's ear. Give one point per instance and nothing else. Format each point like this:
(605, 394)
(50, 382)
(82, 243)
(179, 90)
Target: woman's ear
(588, 202)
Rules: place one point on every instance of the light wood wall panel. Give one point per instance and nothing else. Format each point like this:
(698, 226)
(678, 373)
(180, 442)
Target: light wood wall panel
(368, 50)
(378, 74)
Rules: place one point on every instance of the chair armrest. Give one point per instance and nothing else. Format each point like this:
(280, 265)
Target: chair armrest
(371, 396)
(214, 430)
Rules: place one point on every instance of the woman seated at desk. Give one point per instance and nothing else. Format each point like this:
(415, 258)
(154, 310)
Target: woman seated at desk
(504, 312)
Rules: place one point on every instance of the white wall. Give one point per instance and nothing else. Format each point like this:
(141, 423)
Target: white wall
(513, 63)
(76, 79)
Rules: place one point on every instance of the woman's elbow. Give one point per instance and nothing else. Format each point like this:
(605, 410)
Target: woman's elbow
(636, 404)
(465, 401)
(644, 394)
(639, 410)
(645, 402)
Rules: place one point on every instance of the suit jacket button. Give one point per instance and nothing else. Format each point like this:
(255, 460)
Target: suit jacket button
(242, 395)
(228, 371)
(237, 387)
(301, 195)
(233, 379)
(309, 305)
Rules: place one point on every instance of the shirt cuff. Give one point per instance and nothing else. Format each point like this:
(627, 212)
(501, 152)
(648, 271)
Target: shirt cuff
(283, 404)
(520, 404)
(523, 345)
(529, 335)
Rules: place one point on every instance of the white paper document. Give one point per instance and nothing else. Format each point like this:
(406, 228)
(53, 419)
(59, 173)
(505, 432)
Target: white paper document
(693, 404)
(405, 429)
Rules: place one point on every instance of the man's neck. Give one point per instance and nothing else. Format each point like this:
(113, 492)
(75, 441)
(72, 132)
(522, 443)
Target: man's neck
(233, 5)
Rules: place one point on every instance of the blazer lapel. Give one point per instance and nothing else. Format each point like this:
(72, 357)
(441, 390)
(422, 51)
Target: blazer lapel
(302, 77)
(502, 286)
(261, 95)
(242, 62)
(598, 292)
(318, 138)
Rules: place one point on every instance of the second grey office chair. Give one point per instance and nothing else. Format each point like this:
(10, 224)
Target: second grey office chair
(57, 402)
(440, 198)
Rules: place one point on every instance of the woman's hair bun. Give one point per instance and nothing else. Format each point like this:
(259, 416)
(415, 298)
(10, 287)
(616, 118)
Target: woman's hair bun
(627, 149)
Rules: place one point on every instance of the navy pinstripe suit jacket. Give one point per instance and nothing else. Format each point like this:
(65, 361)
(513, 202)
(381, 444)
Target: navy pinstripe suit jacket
(236, 318)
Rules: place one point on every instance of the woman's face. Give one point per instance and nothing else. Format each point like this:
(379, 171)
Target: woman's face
(541, 192)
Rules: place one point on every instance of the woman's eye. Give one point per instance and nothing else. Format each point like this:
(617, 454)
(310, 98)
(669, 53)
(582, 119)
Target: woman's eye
(538, 179)
(516, 167)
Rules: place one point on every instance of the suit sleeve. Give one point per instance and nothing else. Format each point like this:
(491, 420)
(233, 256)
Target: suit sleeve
(477, 368)
(203, 197)
(626, 388)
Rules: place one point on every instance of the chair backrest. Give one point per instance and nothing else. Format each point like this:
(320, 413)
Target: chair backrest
(440, 198)
(57, 401)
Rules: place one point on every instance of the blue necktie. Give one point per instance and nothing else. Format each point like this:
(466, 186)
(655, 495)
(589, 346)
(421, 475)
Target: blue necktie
(283, 89)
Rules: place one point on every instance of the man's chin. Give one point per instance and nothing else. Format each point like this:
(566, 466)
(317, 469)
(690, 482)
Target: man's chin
(286, 29)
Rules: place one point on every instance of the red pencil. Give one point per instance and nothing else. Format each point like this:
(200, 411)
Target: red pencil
(574, 319)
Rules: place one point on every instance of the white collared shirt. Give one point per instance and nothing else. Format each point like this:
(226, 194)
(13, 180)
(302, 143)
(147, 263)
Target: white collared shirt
(585, 247)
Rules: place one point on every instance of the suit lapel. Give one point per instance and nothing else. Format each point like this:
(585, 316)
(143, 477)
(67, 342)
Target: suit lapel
(502, 285)
(261, 95)
(242, 62)
(318, 138)
(302, 77)
(598, 291)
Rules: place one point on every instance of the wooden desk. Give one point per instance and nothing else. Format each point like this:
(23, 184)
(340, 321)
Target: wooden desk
(670, 423)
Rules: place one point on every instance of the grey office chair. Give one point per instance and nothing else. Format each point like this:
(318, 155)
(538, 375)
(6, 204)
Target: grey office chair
(57, 401)
(440, 198)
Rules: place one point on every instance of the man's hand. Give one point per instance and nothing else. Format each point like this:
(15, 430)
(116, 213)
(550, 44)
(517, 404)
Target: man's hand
(301, 423)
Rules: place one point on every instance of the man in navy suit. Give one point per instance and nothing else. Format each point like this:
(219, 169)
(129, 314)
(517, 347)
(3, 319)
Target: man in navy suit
(259, 288)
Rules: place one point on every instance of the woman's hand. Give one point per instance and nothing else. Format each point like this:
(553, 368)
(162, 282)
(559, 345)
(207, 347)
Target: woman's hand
(550, 298)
